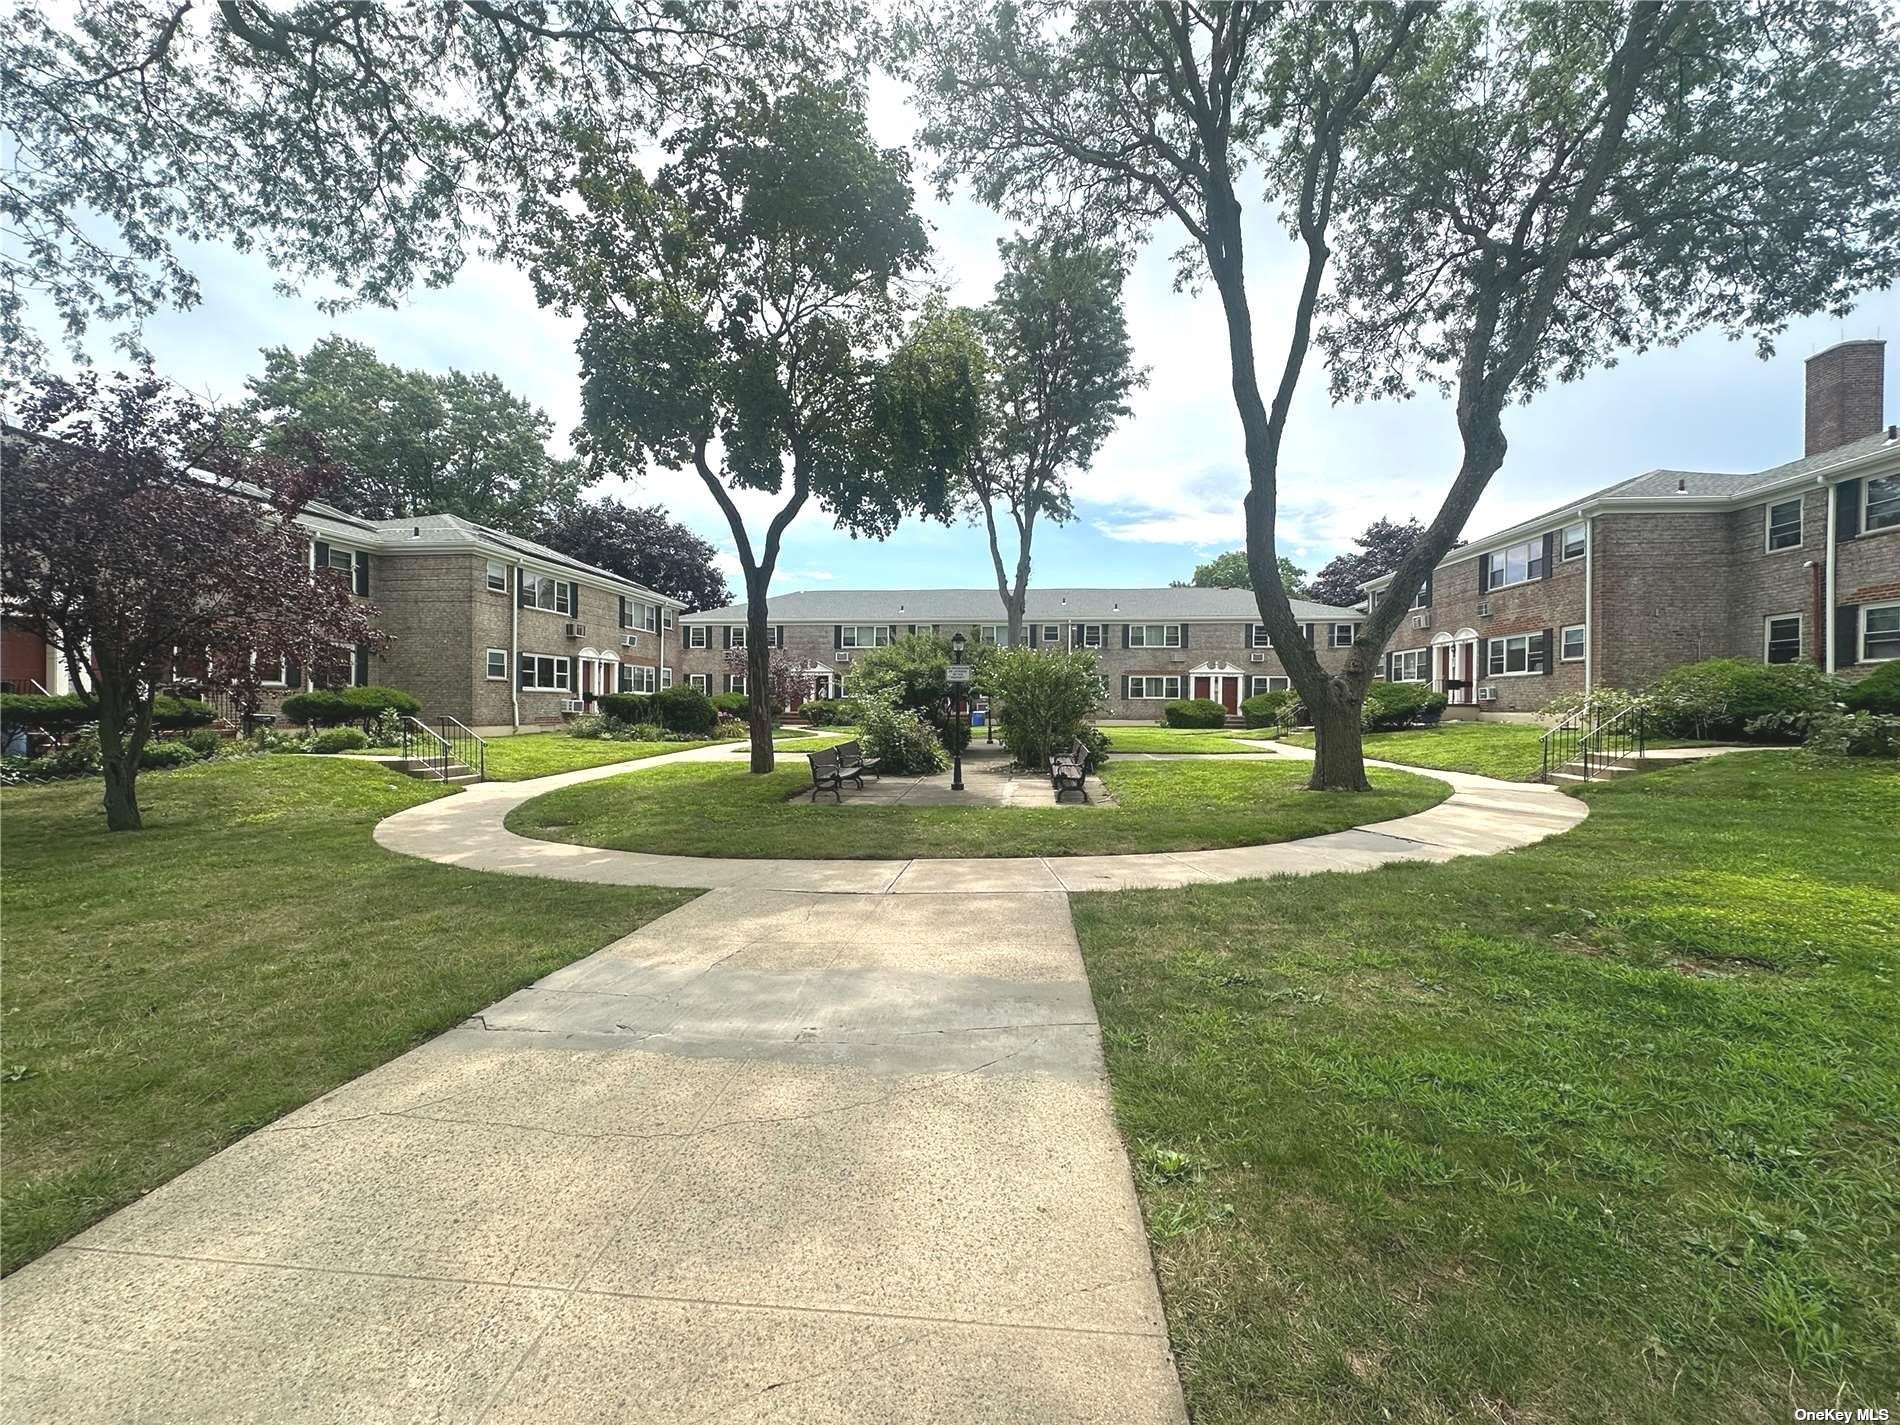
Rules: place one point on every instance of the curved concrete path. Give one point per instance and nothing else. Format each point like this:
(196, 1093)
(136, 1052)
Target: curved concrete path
(1481, 817)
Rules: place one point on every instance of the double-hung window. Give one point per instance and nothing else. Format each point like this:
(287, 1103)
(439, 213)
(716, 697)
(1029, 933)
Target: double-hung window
(993, 635)
(542, 591)
(736, 637)
(1784, 525)
(1423, 598)
(541, 673)
(1781, 638)
(695, 635)
(1879, 632)
(864, 635)
(498, 665)
(1518, 564)
(1519, 653)
(497, 579)
(1270, 683)
(735, 682)
(1154, 635)
(1575, 539)
(1052, 633)
(1881, 507)
(1570, 649)
(696, 681)
(1257, 636)
(1155, 687)
(1090, 635)
(1412, 665)
(1341, 636)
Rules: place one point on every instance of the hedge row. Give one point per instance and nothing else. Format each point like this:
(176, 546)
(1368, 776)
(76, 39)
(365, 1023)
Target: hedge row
(680, 710)
(62, 712)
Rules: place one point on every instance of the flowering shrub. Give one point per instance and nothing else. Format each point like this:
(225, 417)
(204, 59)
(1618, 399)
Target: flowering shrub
(900, 738)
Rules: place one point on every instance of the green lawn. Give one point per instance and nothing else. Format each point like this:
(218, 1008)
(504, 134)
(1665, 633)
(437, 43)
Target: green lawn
(1508, 750)
(719, 810)
(540, 754)
(1172, 739)
(168, 991)
(1604, 1130)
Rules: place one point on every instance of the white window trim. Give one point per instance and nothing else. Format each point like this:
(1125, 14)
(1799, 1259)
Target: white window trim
(737, 639)
(848, 635)
(1254, 682)
(488, 662)
(1162, 697)
(1526, 671)
(1087, 629)
(696, 681)
(1564, 556)
(1422, 657)
(1051, 633)
(1563, 657)
(559, 660)
(489, 568)
(1768, 525)
(1498, 555)
(1166, 641)
(666, 676)
(1332, 635)
(1866, 499)
(1800, 633)
(992, 635)
(1866, 609)
(695, 635)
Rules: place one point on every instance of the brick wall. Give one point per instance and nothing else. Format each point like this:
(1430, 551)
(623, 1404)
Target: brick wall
(1845, 394)
(1764, 583)
(1663, 593)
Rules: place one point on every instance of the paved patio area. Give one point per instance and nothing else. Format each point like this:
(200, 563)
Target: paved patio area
(774, 1157)
(989, 780)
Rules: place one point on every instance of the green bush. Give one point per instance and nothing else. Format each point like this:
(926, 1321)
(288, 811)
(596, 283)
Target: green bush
(179, 714)
(913, 672)
(1878, 692)
(732, 705)
(1281, 709)
(327, 707)
(1041, 700)
(830, 712)
(204, 742)
(170, 753)
(899, 737)
(1834, 733)
(684, 709)
(340, 739)
(627, 707)
(1194, 712)
(61, 713)
(1732, 697)
(1390, 705)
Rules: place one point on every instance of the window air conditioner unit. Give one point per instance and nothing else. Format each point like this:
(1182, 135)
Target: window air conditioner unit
(572, 705)
(1484, 608)
(842, 658)
(1421, 620)
(1256, 658)
(631, 640)
(1487, 695)
(576, 629)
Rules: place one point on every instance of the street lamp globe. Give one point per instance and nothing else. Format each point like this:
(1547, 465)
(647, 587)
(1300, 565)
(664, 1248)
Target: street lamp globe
(957, 642)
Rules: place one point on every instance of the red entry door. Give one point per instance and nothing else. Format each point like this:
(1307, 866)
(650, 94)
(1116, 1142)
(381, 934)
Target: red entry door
(1230, 694)
(1202, 687)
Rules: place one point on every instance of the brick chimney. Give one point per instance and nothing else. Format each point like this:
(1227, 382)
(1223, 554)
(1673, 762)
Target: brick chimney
(1846, 393)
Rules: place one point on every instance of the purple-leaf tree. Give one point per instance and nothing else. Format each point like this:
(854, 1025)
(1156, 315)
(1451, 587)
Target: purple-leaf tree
(139, 538)
(787, 684)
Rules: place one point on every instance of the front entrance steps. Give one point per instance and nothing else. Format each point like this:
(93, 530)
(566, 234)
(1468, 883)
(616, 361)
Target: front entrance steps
(433, 769)
(1600, 769)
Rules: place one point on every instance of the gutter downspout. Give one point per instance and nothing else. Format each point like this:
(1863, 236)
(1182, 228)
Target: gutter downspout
(1589, 602)
(514, 650)
(1833, 539)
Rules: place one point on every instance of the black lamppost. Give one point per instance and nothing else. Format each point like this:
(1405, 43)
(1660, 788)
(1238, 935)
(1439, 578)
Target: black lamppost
(957, 646)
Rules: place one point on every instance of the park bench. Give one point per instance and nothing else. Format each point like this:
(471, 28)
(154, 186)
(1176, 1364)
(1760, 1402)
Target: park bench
(1069, 771)
(827, 775)
(854, 764)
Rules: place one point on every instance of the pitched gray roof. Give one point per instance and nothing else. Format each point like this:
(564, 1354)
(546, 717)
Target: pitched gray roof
(435, 531)
(986, 606)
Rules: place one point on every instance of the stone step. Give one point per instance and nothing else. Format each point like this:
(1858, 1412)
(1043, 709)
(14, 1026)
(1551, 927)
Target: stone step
(434, 771)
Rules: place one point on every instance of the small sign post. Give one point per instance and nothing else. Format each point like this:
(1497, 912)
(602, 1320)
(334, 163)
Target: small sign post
(959, 679)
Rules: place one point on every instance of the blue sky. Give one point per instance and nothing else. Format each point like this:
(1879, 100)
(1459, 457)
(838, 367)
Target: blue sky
(1165, 492)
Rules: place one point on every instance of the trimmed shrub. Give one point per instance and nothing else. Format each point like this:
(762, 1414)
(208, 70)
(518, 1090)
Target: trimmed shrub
(1878, 692)
(901, 739)
(684, 709)
(1281, 709)
(1390, 705)
(1195, 712)
(178, 714)
(171, 753)
(830, 712)
(1041, 700)
(204, 742)
(1834, 733)
(732, 705)
(61, 713)
(627, 707)
(327, 707)
(339, 739)
(1732, 697)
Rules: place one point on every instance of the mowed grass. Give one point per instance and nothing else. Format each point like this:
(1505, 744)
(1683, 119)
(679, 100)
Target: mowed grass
(1511, 751)
(540, 754)
(1179, 740)
(1604, 1130)
(169, 990)
(721, 810)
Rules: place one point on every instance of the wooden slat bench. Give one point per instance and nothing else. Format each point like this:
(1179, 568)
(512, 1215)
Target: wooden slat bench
(1069, 771)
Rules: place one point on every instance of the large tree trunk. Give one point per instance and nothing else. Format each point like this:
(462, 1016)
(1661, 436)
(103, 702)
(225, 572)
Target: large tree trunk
(758, 674)
(125, 721)
(1339, 753)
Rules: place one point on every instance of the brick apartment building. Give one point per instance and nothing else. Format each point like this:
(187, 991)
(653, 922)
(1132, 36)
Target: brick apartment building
(495, 631)
(1155, 645)
(1799, 561)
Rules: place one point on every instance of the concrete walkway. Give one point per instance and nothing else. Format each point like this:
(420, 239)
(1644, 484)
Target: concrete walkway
(1481, 817)
(807, 1149)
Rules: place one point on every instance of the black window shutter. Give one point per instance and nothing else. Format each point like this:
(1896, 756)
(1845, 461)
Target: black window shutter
(1847, 511)
(893, 633)
(524, 589)
(574, 677)
(623, 612)
(573, 600)
(1184, 635)
(1550, 554)
(362, 573)
(1847, 635)
(1484, 573)
(725, 634)
(1548, 649)
(323, 554)
(522, 664)
(837, 636)
(1128, 685)
(360, 673)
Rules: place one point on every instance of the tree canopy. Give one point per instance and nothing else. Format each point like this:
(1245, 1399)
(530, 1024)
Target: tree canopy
(642, 543)
(412, 442)
(373, 147)
(739, 312)
(1230, 571)
(1382, 544)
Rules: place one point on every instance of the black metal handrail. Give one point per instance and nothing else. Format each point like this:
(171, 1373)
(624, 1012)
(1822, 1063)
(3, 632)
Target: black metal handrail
(1561, 744)
(447, 744)
(1615, 739)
